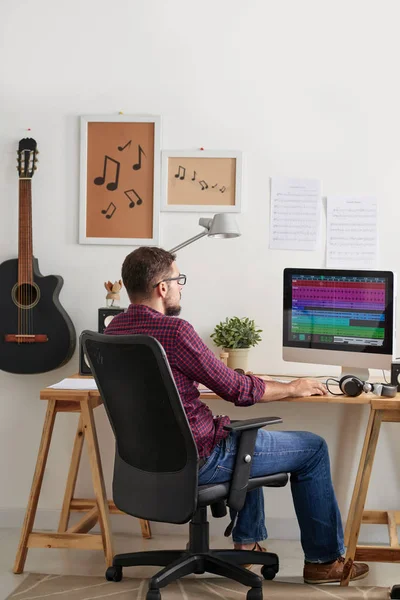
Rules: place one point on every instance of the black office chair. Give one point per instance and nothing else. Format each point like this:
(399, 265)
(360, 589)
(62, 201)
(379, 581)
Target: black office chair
(156, 464)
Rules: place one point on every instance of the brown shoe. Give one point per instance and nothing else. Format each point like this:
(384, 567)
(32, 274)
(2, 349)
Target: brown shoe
(332, 572)
(257, 548)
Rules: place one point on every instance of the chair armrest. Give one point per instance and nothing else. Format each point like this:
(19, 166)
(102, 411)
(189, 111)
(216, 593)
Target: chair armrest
(247, 430)
(252, 423)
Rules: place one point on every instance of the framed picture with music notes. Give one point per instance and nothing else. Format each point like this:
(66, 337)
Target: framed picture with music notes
(201, 181)
(120, 180)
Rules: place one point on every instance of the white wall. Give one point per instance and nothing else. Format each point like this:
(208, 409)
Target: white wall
(302, 88)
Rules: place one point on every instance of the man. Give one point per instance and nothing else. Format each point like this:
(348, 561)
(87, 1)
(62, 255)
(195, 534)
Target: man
(154, 283)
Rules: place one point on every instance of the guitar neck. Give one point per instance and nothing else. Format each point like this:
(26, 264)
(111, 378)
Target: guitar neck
(25, 251)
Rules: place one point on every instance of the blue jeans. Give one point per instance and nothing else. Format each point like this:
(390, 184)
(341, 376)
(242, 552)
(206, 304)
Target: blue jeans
(305, 456)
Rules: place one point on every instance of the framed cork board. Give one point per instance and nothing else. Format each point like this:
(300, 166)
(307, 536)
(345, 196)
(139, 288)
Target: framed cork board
(201, 181)
(120, 180)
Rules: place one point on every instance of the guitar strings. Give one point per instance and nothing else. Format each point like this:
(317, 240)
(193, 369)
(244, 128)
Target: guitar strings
(25, 276)
(29, 257)
(29, 263)
(25, 291)
(19, 259)
(31, 288)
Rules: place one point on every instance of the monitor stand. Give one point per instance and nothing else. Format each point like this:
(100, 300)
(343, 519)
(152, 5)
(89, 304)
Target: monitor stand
(361, 373)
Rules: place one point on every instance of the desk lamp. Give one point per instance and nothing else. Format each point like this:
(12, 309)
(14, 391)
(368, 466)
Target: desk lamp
(222, 225)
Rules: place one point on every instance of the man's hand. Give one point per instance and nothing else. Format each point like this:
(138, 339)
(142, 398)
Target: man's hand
(301, 388)
(298, 388)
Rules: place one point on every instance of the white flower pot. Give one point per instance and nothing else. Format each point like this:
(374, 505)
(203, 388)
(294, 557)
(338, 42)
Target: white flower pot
(238, 358)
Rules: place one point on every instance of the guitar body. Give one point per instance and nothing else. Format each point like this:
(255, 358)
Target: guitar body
(41, 314)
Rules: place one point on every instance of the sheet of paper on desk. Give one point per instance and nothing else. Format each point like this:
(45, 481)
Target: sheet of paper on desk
(75, 384)
(295, 222)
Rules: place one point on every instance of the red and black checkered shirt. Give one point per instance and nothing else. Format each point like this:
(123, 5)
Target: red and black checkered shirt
(191, 363)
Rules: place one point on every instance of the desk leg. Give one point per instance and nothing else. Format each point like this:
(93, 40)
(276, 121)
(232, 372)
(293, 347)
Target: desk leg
(72, 476)
(36, 486)
(145, 527)
(98, 479)
(360, 491)
(361, 466)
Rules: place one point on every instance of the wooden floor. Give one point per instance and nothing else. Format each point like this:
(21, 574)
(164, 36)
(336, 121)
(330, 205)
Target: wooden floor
(86, 562)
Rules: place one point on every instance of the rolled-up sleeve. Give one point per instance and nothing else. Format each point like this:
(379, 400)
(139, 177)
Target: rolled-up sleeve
(195, 360)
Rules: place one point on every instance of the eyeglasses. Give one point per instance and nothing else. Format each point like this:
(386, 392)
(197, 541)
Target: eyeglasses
(181, 279)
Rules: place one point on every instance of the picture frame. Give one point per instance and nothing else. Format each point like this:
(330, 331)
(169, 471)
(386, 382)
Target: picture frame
(201, 181)
(120, 171)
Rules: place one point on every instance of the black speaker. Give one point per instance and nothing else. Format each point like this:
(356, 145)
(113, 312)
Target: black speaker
(84, 368)
(106, 315)
(395, 375)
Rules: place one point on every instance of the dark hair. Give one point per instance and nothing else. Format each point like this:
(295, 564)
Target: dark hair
(143, 268)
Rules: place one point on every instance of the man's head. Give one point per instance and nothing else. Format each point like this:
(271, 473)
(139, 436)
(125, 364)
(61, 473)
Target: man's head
(151, 277)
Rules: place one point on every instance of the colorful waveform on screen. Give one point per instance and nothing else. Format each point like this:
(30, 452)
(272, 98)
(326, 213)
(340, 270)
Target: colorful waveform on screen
(334, 306)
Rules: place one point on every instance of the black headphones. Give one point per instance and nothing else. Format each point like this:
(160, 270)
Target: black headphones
(350, 385)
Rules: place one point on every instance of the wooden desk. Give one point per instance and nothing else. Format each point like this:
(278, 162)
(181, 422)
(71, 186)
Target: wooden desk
(381, 410)
(97, 509)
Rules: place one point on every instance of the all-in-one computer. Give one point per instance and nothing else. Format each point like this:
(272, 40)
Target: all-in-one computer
(339, 317)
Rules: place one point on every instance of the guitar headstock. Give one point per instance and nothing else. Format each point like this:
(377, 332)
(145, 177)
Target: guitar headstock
(27, 158)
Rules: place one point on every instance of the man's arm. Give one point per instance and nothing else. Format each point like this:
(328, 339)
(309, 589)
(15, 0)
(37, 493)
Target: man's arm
(197, 361)
(298, 388)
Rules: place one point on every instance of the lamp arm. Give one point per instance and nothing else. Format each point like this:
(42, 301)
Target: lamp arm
(189, 241)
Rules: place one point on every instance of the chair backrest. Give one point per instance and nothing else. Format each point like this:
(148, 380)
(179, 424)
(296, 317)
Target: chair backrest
(156, 458)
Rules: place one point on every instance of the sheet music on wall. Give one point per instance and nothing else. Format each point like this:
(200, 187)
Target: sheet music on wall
(295, 213)
(352, 232)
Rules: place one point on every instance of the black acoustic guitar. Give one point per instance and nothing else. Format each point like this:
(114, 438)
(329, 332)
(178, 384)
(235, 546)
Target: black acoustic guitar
(36, 334)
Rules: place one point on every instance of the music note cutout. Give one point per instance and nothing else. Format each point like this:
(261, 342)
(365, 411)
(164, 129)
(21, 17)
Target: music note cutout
(213, 186)
(204, 185)
(131, 201)
(106, 213)
(138, 165)
(222, 189)
(120, 148)
(194, 175)
(113, 185)
(181, 173)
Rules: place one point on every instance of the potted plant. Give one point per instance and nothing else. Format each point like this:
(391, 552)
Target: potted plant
(236, 336)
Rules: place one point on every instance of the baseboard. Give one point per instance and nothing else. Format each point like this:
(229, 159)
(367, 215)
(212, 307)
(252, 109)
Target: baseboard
(278, 528)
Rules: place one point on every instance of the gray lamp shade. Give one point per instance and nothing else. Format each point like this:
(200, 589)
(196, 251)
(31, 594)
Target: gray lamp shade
(224, 226)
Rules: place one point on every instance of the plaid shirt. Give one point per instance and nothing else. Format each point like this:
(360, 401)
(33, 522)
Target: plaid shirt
(192, 362)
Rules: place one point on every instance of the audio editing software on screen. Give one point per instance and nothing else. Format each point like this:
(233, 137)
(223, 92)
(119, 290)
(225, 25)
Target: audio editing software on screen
(338, 310)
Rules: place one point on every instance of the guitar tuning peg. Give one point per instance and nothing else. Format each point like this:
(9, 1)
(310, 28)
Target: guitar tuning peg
(35, 168)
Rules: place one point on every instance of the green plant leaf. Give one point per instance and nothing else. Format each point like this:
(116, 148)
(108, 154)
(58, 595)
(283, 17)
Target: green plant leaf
(236, 332)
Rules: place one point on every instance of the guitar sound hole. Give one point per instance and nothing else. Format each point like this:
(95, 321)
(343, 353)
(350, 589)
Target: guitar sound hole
(26, 295)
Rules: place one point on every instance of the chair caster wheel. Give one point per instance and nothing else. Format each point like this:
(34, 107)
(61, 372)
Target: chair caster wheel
(269, 572)
(153, 595)
(114, 574)
(395, 593)
(255, 594)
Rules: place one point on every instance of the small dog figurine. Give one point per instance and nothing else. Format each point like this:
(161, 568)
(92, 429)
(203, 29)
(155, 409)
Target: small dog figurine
(113, 289)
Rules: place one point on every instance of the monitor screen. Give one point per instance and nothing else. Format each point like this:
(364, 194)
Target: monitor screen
(346, 311)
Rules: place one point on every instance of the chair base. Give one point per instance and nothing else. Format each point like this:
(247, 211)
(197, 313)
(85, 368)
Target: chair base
(198, 559)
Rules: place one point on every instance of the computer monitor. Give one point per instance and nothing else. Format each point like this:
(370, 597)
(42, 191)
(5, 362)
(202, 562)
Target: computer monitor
(339, 317)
